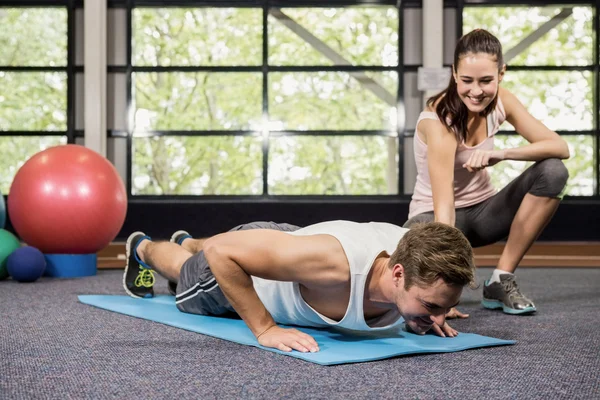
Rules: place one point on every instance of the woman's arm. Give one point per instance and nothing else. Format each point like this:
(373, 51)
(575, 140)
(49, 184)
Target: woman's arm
(441, 150)
(544, 143)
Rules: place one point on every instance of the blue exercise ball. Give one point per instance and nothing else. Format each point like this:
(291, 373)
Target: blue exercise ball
(2, 212)
(26, 264)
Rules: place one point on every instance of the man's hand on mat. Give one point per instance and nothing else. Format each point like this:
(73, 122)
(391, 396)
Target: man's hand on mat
(287, 340)
(444, 331)
(454, 313)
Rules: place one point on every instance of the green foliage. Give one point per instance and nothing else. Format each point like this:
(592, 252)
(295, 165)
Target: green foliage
(348, 165)
(360, 35)
(569, 43)
(197, 165)
(562, 100)
(15, 150)
(197, 36)
(33, 37)
(32, 101)
(329, 101)
(198, 100)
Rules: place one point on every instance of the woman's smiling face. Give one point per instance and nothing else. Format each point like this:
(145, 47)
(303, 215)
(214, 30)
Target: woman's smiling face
(477, 80)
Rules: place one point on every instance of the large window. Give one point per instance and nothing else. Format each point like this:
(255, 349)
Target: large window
(33, 84)
(265, 101)
(552, 69)
(260, 100)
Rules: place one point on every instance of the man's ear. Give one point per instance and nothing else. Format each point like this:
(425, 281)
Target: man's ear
(398, 274)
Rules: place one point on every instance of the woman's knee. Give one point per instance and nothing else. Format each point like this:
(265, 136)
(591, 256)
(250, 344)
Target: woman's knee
(553, 176)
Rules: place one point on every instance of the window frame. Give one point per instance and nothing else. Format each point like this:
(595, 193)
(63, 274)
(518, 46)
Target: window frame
(265, 69)
(69, 68)
(593, 68)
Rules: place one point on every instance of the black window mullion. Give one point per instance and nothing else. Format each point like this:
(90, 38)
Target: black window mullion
(34, 3)
(128, 100)
(596, 100)
(32, 133)
(71, 72)
(400, 108)
(265, 99)
(460, 5)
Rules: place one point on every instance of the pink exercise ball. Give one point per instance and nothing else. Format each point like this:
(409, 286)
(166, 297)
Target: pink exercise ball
(67, 199)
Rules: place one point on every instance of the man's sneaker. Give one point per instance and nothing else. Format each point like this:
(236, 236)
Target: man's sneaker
(177, 238)
(506, 295)
(172, 288)
(138, 278)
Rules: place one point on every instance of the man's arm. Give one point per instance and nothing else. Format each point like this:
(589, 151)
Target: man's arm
(236, 256)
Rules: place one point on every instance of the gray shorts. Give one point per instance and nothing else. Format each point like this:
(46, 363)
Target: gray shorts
(198, 291)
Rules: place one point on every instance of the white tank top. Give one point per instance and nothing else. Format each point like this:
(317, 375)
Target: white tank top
(362, 243)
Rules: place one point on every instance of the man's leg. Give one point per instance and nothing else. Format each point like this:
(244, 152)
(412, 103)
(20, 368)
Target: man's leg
(164, 257)
(144, 257)
(195, 246)
(185, 240)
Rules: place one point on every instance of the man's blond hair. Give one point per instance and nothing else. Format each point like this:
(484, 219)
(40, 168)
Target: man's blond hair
(430, 251)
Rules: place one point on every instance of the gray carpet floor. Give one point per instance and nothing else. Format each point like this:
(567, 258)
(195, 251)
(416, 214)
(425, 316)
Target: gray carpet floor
(53, 347)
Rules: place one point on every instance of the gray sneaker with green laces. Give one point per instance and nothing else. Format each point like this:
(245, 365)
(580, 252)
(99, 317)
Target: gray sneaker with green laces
(506, 295)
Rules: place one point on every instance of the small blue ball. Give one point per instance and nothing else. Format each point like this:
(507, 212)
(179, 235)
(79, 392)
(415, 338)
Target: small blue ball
(26, 264)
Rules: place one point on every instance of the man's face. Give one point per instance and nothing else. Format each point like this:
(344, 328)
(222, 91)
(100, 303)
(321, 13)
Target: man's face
(421, 307)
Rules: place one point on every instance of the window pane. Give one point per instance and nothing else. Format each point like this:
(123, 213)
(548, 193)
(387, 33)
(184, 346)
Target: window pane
(33, 101)
(333, 165)
(33, 36)
(197, 101)
(561, 100)
(333, 100)
(197, 36)
(580, 165)
(15, 150)
(213, 165)
(570, 42)
(333, 36)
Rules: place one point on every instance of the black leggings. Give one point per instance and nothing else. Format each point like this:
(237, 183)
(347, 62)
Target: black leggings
(489, 221)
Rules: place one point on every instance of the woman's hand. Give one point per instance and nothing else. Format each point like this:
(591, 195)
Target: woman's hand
(481, 159)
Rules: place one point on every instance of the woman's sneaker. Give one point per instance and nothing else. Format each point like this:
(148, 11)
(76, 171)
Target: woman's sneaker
(506, 295)
(138, 278)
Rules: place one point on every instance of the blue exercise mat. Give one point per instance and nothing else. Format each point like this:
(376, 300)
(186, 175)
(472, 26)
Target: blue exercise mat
(335, 347)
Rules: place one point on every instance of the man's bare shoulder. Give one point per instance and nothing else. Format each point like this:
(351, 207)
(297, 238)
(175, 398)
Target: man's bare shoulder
(278, 255)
